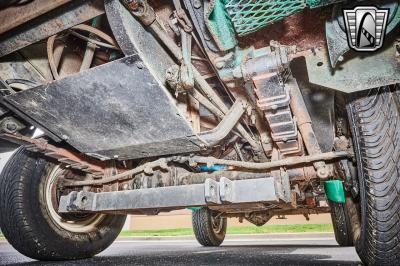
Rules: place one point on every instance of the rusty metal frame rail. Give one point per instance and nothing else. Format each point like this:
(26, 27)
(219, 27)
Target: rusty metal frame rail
(72, 159)
(42, 27)
(21, 14)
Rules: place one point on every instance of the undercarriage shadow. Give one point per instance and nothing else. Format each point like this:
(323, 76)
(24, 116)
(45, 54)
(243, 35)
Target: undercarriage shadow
(224, 255)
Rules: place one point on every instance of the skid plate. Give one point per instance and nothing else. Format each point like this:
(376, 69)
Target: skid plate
(117, 110)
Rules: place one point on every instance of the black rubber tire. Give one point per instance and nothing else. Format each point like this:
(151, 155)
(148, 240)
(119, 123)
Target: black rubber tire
(27, 224)
(375, 121)
(341, 224)
(206, 235)
(345, 220)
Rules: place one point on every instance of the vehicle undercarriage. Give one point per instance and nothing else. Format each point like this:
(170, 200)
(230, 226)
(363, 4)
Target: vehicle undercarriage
(246, 109)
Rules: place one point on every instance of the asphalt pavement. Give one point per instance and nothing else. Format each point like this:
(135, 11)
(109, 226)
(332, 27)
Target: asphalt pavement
(280, 249)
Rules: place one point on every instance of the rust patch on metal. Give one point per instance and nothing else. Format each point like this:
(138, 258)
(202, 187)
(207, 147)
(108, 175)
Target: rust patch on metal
(23, 13)
(72, 159)
(73, 13)
(305, 30)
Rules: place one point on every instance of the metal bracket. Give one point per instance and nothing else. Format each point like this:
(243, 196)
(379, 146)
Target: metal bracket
(226, 188)
(244, 191)
(211, 191)
(79, 201)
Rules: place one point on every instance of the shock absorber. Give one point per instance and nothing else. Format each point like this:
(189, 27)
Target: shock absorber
(304, 125)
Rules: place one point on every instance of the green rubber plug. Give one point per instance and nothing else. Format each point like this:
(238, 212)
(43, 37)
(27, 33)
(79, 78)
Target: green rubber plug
(334, 191)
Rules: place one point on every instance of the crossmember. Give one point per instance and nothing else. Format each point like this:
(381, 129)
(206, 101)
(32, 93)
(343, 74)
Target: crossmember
(260, 190)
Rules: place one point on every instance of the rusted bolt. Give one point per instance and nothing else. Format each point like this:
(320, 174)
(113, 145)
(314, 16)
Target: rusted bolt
(11, 127)
(220, 64)
(132, 4)
(322, 172)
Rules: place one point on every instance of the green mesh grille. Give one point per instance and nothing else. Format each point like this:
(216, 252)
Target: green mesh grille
(251, 15)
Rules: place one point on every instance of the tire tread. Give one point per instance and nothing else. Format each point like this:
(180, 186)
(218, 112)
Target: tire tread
(203, 230)
(376, 125)
(29, 230)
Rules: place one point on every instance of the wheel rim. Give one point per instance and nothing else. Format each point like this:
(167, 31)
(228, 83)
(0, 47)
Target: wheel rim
(217, 224)
(76, 224)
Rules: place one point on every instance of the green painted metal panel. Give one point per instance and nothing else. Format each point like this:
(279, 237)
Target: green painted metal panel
(220, 26)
